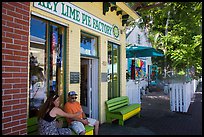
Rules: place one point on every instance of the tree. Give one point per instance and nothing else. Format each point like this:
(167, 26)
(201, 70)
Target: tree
(176, 29)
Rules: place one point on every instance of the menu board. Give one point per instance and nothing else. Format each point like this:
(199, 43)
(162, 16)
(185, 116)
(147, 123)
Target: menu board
(104, 77)
(74, 77)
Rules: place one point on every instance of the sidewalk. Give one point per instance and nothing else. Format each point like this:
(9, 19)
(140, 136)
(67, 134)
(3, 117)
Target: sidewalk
(157, 119)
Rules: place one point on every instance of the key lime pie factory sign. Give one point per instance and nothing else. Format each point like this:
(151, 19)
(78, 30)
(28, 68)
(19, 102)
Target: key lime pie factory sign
(72, 13)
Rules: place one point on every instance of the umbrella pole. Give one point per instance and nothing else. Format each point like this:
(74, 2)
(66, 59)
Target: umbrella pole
(135, 69)
(148, 72)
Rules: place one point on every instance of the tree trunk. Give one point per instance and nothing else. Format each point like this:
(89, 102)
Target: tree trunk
(165, 49)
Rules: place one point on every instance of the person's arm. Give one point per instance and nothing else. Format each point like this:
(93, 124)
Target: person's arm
(83, 115)
(68, 109)
(60, 112)
(78, 119)
(83, 120)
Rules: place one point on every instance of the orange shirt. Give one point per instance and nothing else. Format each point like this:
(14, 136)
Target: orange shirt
(73, 107)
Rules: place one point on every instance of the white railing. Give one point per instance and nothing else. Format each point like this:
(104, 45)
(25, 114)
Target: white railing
(181, 95)
(133, 90)
(143, 84)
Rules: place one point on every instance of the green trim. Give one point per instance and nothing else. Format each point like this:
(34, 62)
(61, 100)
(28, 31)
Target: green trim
(112, 61)
(48, 44)
(116, 32)
(48, 59)
(115, 94)
(84, 55)
(119, 68)
(65, 63)
(97, 54)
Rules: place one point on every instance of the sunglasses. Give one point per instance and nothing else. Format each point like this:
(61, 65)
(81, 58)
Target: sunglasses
(74, 98)
(55, 97)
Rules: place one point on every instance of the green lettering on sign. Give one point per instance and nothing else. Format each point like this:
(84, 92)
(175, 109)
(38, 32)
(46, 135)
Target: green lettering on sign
(55, 6)
(77, 16)
(63, 12)
(86, 19)
(49, 6)
(95, 24)
(41, 4)
(71, 12)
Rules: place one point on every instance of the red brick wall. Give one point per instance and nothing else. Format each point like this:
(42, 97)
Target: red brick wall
(15, 32)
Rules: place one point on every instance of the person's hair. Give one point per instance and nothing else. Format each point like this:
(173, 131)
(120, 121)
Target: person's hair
(48, 105)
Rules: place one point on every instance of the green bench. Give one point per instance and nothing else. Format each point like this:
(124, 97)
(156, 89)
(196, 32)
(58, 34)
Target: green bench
(120, 109)
(32, 126)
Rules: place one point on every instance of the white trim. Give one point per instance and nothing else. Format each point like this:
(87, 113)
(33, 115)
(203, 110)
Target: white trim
(37, 40)
(39, 15)
(89, 87)
(95, 94)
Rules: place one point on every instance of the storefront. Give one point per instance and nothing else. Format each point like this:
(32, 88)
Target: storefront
(70, 46)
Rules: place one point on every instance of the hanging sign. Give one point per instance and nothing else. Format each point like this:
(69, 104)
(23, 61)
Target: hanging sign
(72, 13)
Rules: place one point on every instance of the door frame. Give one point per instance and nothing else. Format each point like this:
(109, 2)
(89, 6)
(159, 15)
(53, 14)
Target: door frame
(92, 88)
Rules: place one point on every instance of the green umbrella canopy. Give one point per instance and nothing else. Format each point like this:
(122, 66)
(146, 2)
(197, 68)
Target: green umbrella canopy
(141, 51)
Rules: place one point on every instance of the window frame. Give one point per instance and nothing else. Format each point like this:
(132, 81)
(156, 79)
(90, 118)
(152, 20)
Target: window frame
(97, 38)
(118, 94)
(47, 55)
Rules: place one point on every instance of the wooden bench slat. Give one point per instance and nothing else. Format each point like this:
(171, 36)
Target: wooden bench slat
(131, 113)
(32, 121)
(116, 107)
(116, 103)
(125, 101)
(32, 126)
(127, 109)
(117, 99)
(119, 104)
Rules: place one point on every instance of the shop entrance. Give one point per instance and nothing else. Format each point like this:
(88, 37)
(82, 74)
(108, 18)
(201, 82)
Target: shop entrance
(89, 87)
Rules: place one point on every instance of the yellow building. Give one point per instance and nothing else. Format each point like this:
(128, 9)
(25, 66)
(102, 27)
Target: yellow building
(79, 46)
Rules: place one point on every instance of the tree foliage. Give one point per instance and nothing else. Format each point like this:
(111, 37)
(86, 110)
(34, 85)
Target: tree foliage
(178, 34)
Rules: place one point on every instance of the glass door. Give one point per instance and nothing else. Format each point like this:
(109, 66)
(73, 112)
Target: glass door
(113, 70)
(85, 96)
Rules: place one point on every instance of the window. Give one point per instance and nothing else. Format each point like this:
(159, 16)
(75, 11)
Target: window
(113, 70)
(88, 45)
(46, 62)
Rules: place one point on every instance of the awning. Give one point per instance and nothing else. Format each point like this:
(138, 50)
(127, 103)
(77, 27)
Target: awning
(141, 51)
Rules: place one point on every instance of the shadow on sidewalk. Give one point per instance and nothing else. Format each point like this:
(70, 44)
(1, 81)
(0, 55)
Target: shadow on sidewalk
(157, 119)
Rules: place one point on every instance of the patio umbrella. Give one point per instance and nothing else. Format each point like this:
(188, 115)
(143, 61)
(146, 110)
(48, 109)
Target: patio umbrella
(141, 51)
